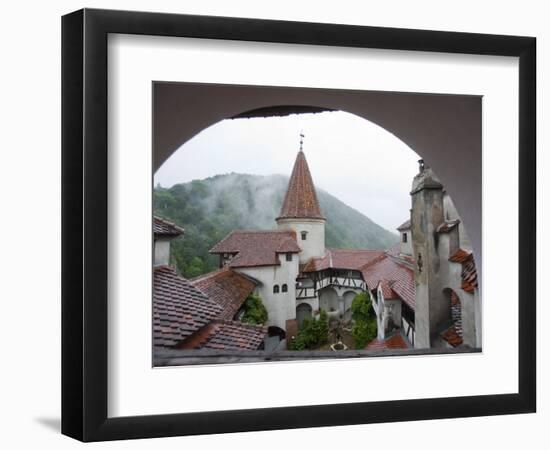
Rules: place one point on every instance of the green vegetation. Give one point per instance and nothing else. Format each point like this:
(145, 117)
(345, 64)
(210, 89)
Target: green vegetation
(312, 334)
(254, 310)
(211, 208)
(364, 327)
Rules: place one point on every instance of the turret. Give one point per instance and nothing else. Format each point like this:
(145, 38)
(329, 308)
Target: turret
(163, 233)
(301, 212)
(427, 215)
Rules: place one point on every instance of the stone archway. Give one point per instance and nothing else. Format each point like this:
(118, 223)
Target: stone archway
(329, 300)
(427, 123)
(348, 299)
(303, 312)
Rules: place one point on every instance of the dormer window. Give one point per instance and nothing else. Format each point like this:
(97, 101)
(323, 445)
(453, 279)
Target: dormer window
(289, 256)
(304, 235)
(404, 238)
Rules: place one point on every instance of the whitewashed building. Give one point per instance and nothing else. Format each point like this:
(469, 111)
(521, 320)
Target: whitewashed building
(424, 290)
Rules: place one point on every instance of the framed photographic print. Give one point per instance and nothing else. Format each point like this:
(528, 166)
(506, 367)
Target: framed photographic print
(259, 217)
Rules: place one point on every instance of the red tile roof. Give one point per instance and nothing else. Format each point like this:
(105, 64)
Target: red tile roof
(227, 288)
(390, 269)
(460, 256)
(300, 199)
(452, 337)
(256, 248)
(387, 291)
(162, 227)
(405, 226)
(226, 335)
(395, 251)
(336, 258)
(394, 342)
(179, 308)
(469, 272)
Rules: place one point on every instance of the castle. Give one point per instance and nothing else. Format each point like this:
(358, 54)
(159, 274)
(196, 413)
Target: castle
(424, 290)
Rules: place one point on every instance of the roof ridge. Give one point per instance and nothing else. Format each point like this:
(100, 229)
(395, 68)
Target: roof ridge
(208, 275)
(169, 223)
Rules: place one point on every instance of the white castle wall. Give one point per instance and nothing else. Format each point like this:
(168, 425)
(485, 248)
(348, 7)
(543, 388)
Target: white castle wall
(162, 252)
(451, 213)
(314, 244)
(406, 247)
(282, 306)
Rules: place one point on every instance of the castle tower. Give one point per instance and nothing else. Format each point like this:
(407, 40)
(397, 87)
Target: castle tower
(301, 211)
(427, 215)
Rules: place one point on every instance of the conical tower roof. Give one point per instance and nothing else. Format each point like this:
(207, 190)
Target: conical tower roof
(301, 199)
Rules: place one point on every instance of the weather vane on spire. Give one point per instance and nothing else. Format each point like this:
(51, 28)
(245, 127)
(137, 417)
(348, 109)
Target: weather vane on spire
(302, 136)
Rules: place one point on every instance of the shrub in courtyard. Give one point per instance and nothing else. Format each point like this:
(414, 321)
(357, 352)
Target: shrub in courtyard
(254, 310)
(364, 321)
(313, 333)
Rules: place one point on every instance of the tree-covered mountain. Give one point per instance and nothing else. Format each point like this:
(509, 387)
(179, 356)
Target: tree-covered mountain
(209, 209)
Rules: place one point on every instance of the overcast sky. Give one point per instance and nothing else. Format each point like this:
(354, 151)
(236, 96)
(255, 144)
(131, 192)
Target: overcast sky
(360, 163)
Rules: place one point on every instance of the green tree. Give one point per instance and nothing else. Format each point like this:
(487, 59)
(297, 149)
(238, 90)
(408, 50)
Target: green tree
(312, 334)
(364, 328)
(363, 331)
(195, 267)
(361, 307)
(254, 310)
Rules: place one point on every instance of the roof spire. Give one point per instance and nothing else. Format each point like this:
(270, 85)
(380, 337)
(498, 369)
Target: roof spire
(302, 136)
(301, 199)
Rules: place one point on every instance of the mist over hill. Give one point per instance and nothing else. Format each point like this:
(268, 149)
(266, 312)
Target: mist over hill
(209, 209)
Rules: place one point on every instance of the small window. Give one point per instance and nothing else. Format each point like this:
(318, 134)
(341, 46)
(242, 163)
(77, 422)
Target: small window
(289, 256)
(276, 289)
(304, 235)
(404, 237)
(285, 288)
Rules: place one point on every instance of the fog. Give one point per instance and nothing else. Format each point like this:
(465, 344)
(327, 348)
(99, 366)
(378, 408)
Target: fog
(358, 162)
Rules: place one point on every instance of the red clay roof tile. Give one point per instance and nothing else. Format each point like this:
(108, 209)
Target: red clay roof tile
(394, 342)
(179, 308)
(301, 198)
(337, 258)
(226, 335)
(405, 226)
(162, 227)
(256, 248)
(452, 337)
(227, 288)
(469, 272)
(398, 273)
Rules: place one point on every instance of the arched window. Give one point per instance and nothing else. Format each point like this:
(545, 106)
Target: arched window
(276, 289)
(285, 288)
(304, 235)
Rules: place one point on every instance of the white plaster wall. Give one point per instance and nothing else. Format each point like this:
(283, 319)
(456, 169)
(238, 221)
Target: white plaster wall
(314, 245)
(451, 213)
(162, 252)
(467, 303)
(329, 300)
(478, 308)
(348, 299)
(313, 302)
(406, 247)
(282, 306)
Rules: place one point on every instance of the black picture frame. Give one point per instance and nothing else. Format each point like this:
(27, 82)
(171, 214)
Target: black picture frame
(84, 224)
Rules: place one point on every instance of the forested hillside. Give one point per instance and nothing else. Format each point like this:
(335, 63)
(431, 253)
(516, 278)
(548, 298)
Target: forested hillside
(209, 209)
